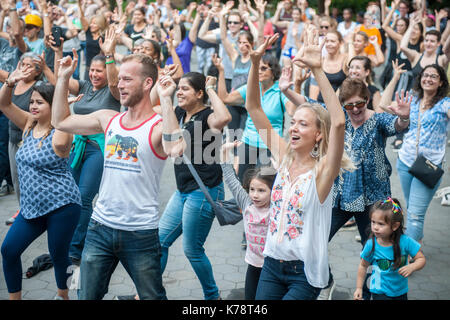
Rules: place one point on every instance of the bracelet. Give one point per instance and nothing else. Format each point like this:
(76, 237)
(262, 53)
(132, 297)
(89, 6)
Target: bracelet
(12, 9)
(8, 84)
(109, 62)
(210, 87)
(172, 136)
(403, 120)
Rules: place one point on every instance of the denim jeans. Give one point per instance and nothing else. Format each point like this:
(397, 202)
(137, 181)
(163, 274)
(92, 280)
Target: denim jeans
(59, 225)
(88, 177)
(284, 280)
(5, 171)
(418, 197)
(138, 251)
(191, 214)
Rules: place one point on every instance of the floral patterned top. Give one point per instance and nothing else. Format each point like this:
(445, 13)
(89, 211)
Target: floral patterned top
(299, 225)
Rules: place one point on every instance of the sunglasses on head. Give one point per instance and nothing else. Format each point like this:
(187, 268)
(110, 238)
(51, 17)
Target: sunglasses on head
(358, 104)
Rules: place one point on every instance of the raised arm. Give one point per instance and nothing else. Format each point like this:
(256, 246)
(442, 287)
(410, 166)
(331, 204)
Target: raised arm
(276, 17)
(220, 116)
(172, 138)
(270, 137)
(74, 86)
(386, 23)
(330, 164)
(16, 28)
(18, 116)
(229, 48)
(109, 48)
(194, 29)
(204, 33)
(92, 123)
(83, 20)
(379, 55)
(234, 97)
(411, 54)
(285, 84)
(386, 98)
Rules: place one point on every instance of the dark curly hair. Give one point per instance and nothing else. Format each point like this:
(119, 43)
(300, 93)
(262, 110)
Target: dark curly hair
(443, 88)
(274, 65)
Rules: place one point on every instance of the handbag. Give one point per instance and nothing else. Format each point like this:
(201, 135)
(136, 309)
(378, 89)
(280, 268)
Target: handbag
(423, 169)
(226, 211)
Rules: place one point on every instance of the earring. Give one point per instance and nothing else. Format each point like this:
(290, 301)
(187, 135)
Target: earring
(315, 151)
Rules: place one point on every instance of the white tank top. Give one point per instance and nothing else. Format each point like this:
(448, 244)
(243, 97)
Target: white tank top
(129, 190)
(299, 225)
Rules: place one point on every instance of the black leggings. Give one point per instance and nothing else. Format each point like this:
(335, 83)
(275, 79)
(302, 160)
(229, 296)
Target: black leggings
(251, 281)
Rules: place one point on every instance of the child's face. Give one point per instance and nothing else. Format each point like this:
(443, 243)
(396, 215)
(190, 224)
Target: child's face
(380, 228)
(259, 192)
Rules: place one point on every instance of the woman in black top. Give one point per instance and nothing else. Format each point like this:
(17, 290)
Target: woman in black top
(188, 212)
(94, 29)
(136, 30)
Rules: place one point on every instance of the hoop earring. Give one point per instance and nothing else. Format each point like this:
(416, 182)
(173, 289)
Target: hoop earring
(315, 151)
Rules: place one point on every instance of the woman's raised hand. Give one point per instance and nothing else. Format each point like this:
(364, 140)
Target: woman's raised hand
(166, 86)
(285, 82)
(311, 53)
(217, 62)
(210, 81)
(109, 45)
(397, 68)
(227, 151)
(20, 73)
(67, 65)
(255, 55)
(402, 108)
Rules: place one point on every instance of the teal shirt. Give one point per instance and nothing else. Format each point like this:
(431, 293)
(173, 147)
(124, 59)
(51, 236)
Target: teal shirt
(385, 279)
(273, 103)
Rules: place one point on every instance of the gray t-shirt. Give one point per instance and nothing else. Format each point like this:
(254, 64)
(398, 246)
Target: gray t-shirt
(94, 100)
(226, 61)
(9, 56)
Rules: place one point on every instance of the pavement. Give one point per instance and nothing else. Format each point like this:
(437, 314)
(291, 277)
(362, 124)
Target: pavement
(223, 247)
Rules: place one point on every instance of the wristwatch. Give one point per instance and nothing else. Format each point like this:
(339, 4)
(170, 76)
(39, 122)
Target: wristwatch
(109, 56)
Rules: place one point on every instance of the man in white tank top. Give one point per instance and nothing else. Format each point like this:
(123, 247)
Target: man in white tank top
(124, 224)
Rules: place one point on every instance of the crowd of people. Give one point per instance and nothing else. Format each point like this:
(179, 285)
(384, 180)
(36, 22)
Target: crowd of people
(290, 109)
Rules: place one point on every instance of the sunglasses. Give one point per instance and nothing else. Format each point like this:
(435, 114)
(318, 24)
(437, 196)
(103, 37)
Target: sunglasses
(234, 22)
(385, 264)
(358, 104)
(264, 68)
(324, 27)
(431, 76)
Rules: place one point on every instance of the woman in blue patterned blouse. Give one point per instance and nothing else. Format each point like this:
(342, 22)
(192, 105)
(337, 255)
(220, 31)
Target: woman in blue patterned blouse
(49, 198)
(433, 105)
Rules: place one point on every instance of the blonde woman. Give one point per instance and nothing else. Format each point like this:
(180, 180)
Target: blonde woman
(94, 29)
(296, 252)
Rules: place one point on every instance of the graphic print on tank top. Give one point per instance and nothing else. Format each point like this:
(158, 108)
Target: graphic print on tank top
(121, 152)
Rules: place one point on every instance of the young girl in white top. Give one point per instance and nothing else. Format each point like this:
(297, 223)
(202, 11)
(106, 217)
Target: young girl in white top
(254, 200)
(387, 253)
(296, 251)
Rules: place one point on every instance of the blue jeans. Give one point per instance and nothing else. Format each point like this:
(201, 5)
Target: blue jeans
(59, 225)
(88, 177)
(284, 280)
(138, 251)
(5, 171)
(418, 197)
(191, 214)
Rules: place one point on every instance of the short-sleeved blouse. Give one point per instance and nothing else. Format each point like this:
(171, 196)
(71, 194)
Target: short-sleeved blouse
(433, 133)
(369, 182)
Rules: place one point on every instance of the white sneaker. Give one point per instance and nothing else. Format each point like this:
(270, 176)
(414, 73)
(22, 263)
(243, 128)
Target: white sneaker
(445, 194)
(358, 238)
(445, 200)
(327, 293)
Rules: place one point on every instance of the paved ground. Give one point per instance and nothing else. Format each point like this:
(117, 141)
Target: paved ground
(227, 258)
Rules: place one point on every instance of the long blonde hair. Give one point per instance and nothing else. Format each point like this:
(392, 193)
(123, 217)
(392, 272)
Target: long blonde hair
(323, 122)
